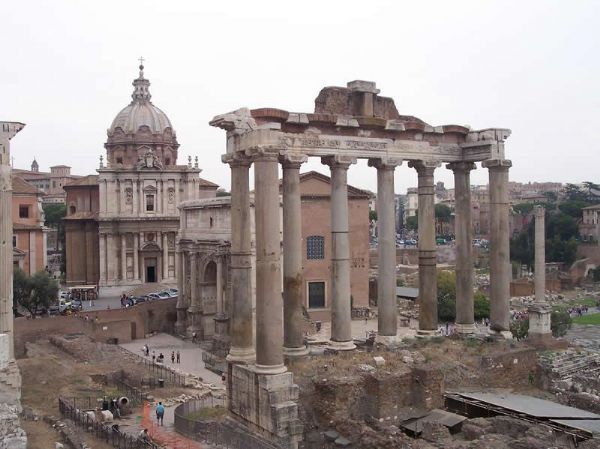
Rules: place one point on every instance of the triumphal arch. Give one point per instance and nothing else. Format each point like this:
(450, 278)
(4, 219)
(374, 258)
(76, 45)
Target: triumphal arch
(348, 123)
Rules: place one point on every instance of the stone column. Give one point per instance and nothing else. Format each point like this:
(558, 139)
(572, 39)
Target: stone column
(193, 307)
(136, 262)
(135, 199)
(219, 286)
(111, 254)
(540, 255)
(7, 131)
(465, 318)
(500, 270)
(102, 257)
(165, 257)
(124, 257)
(242, 334)
(428, 315)
(387, 317)
(293, 338)
(540, 323)
(341, 319)
(181, 318)
(269, 302)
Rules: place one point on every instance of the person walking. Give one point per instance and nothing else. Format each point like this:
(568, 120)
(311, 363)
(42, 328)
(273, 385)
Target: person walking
(172, 356)
(153, 356)
(160, 413)
(178, 357)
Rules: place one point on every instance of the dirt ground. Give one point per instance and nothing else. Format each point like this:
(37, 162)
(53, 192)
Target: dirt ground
(46, 373)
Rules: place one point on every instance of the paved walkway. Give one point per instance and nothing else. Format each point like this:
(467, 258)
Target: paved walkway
(586, 335)
(191, 355)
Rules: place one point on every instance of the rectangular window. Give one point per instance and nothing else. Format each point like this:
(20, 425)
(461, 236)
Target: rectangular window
(14, 241)
(315, 247)
(316, 295)
(23, 211)
(149, 203)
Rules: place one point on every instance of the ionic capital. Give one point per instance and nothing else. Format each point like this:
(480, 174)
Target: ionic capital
(292, 160)
(497, 164)
(461, 166)
(236, 159)
(385, 162)
(539, 211)
(425, 168)
(338, 161)
(263, 154)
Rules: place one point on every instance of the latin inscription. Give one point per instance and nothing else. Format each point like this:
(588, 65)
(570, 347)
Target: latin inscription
(316, 142)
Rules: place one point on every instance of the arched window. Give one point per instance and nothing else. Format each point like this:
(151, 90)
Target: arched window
(72, 209)
(211, 222)
(315, 247)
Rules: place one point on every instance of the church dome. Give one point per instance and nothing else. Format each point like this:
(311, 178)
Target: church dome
(141, 112)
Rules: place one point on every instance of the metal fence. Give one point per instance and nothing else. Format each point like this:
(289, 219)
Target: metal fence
(134, 394)
(74, 409)
(159, 371)
(220, 432)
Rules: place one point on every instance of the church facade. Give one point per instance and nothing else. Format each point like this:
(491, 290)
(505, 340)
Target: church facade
(139, 189)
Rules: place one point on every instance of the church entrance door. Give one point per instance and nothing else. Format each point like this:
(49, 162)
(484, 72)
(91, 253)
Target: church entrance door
(151, 274)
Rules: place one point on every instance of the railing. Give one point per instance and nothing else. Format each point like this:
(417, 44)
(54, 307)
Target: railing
(73, 409)
(214, 429)
(160, 371)
(134, 394)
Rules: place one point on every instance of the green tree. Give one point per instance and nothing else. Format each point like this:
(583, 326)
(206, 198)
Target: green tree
(560, 322)
(523, 208)
(443, 212)
(574, 193)
(372, 215)
(34, 293)
(222, 192)
(446, 295)
(519, 328)
(481, 305)
(591, 190)
(54, 213)
(412, 223)
(573, 208)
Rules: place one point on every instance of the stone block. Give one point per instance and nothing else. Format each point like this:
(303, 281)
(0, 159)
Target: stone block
(379, 361)
(4, 350)
(331, 435)
(342, 442)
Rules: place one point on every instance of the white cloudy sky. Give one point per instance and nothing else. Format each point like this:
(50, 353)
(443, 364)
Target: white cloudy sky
(532, 66)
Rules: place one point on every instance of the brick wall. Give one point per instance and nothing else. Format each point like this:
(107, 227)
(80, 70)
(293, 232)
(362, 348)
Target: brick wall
(125, 324)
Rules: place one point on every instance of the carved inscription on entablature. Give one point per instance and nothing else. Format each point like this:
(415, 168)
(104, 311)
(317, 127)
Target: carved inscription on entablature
(332, 143)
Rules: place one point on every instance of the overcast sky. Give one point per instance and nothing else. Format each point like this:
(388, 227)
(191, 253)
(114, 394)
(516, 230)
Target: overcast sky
(531, 66)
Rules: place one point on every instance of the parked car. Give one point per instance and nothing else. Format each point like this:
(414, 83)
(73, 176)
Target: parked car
(137, 299)
(410, 242)
(76, 304)
(164, 295)
(153, 296)
(63, 304)
(174, 291)
(63, 295)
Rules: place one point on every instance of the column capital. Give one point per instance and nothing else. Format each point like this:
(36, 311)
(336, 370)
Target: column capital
(539, 211)
(338, 161)
(461, 166)
(292, 160)
(424, 167)
(236, 160)
(385, 162)
(498, 164)
(263, 154)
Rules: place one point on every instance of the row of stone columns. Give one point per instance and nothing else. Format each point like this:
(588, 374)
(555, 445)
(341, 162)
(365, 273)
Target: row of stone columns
(274, 338)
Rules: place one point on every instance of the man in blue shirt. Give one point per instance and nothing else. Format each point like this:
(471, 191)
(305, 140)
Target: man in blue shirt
(160, 412)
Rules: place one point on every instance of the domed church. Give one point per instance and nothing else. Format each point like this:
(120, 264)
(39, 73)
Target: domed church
(138, 188)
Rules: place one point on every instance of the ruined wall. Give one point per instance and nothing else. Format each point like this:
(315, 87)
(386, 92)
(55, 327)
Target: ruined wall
(392, 395)
(125, 324)
(509, 368)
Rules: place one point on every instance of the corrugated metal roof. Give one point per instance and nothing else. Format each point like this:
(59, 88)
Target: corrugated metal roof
(448, 419)
(407, 292)
(590, 425)
(539, 408)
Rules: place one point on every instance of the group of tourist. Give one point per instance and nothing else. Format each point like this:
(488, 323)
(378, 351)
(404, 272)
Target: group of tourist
(175, 355)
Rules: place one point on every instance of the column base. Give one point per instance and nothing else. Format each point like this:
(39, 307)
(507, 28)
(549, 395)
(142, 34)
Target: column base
(244, 356)
(341, 345)
(465, 329)
(270, 369)
(295, 352)
(426, 333)
(267, 404)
